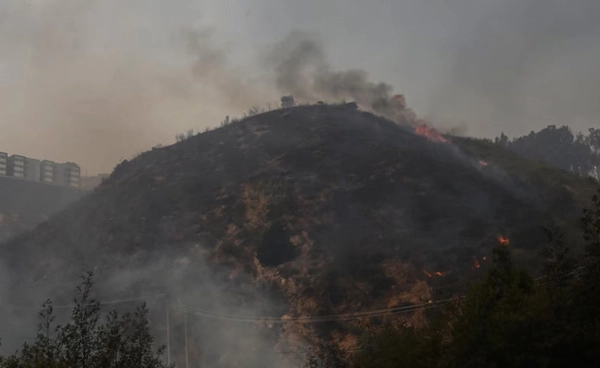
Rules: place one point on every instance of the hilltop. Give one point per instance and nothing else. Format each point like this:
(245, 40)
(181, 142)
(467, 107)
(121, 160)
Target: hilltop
(309, 210)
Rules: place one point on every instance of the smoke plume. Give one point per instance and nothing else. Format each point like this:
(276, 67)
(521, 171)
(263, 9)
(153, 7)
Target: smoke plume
(301, 68)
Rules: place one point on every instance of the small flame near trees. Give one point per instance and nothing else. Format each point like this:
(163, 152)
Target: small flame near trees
(436, 273)
(503, 240)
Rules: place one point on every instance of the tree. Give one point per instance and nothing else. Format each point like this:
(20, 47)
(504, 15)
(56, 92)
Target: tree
(594, 139)
(508, 319)
(591, 228)
(121, 342)
(493, 326)
(560, 148)
(400, 346)
(328, 355)
(183, 136)
(558, 264)
(590, 288)
(503, 140)
(225, 121)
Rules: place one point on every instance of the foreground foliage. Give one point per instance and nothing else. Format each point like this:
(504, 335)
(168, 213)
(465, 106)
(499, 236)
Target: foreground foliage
(508, 319)
(120, 342)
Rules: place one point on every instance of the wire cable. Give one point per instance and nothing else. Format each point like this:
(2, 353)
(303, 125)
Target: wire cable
(118, 301)
(309, 319)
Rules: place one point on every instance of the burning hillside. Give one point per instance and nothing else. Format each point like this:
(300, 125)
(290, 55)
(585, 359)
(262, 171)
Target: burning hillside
(431, 134)
(308, 211)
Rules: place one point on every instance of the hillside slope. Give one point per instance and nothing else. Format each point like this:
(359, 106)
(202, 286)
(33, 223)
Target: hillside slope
(305, 211)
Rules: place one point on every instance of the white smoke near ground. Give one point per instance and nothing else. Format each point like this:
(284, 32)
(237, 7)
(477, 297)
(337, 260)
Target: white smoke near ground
(190, 284)
(186, 284)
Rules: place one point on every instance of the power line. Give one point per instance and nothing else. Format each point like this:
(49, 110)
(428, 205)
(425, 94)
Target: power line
(309, 319)
(117, 301)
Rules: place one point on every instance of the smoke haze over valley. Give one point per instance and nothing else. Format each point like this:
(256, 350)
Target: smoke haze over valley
(98, 81)
(349, 173)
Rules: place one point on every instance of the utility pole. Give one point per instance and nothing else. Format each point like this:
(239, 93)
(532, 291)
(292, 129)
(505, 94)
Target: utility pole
(186, 337)
(168, 332)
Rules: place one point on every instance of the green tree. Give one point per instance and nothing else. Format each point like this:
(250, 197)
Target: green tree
(591, 227)
(493, 326)
(121, 342)
(586, 311)
(558, 263)
(328, 355)
(400, 346)
(560, 148)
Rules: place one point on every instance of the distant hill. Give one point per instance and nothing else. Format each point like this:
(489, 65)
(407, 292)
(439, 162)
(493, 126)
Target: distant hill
(24, 204)
(311, 210)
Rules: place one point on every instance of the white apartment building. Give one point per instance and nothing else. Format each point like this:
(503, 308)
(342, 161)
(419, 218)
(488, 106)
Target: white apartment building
(45, 171)
(3, 163)
(16, 166)
(47, 168)
(32, 169)
(67, 174)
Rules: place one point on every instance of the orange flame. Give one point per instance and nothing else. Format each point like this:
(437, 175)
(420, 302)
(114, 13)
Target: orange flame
(430, 133)
(503, 240)
(483, 163)
(476, 263)
(436, 273)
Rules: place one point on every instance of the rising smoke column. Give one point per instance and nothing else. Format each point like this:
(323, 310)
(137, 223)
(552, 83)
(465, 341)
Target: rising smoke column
(301, 69)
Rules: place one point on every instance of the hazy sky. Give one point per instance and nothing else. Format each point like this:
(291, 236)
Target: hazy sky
(94, 81)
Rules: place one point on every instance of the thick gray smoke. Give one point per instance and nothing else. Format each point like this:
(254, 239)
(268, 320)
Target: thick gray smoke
(302, 69)
(210, 67)
(96, 81)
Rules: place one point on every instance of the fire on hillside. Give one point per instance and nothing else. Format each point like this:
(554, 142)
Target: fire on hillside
(430, 133)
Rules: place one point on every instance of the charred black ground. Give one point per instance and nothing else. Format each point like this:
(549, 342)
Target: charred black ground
(324, 209)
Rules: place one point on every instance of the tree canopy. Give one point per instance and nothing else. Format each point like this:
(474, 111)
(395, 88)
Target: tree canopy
(508, 319)
(559, 147)
(120, 341)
